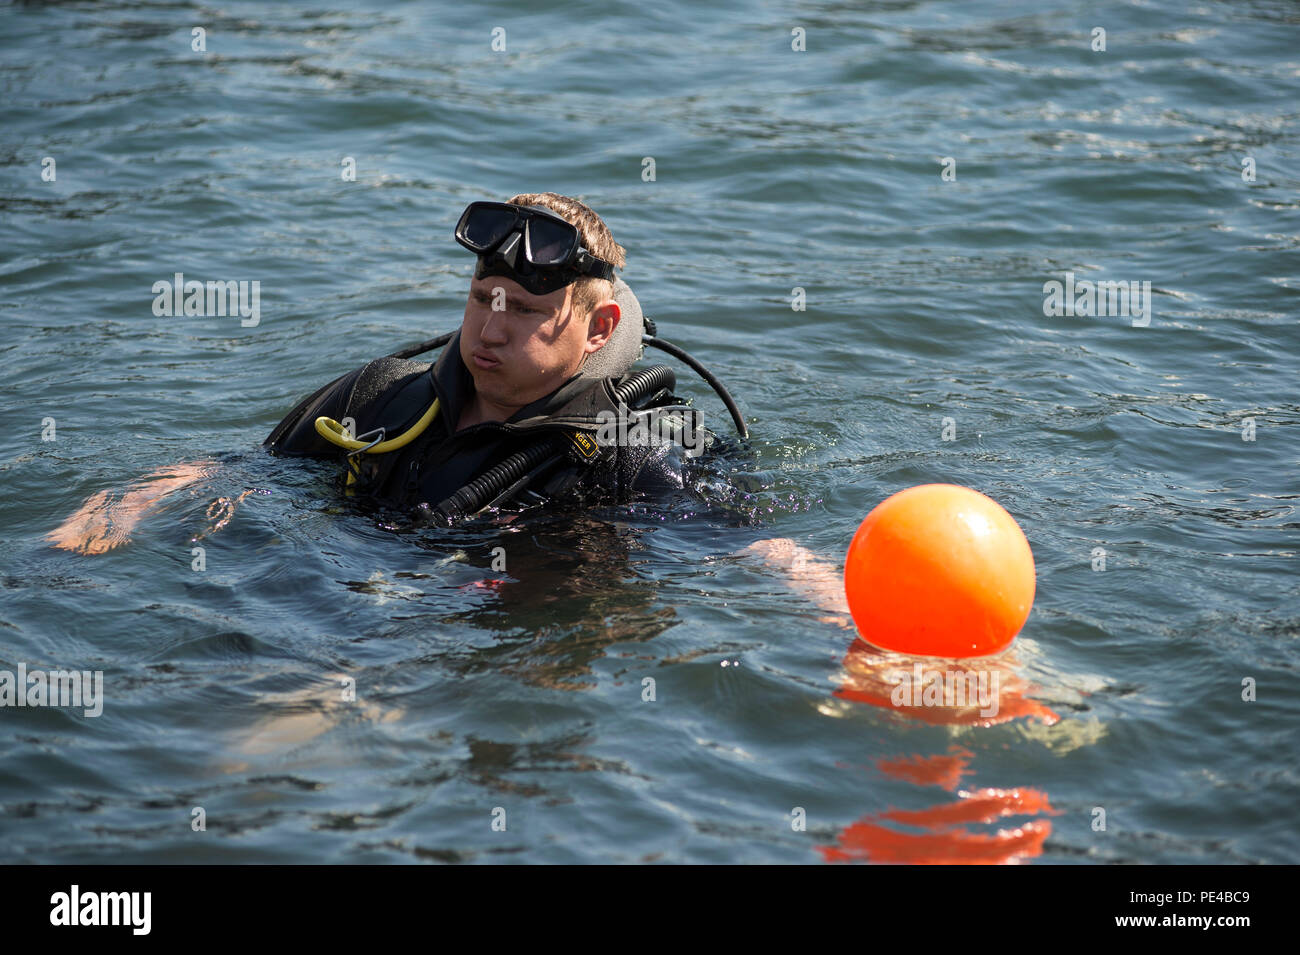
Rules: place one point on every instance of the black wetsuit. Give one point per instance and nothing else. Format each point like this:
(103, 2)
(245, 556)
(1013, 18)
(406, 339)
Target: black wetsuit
(395, 393)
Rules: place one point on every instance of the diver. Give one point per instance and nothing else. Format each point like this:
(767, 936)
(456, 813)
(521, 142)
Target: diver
(530, 399)
(533, 399)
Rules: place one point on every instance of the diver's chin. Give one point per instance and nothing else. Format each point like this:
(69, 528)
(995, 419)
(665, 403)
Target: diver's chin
(489, 391)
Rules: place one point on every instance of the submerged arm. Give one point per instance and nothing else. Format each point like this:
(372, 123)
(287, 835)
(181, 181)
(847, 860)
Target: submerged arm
(818, 580)
(103, 522)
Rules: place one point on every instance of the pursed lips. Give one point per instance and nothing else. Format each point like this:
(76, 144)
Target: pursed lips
(485, 360)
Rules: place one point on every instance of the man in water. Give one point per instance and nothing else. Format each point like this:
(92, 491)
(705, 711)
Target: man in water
(524, 391)
(521, 373)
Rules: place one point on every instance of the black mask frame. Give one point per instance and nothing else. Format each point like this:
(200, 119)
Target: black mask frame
(529, 244)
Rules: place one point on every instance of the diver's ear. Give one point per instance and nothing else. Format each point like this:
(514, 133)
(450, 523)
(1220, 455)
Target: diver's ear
(601, 324)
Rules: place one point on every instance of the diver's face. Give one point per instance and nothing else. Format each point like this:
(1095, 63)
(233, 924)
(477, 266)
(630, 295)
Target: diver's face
(525, 350)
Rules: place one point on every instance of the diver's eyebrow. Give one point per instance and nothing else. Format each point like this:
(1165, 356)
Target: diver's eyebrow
(514, 301)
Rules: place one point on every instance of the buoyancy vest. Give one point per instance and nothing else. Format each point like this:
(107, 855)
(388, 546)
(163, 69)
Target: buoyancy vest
(394, 393)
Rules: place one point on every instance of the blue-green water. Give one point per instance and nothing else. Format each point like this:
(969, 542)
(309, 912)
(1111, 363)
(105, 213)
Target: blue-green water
(773, 169)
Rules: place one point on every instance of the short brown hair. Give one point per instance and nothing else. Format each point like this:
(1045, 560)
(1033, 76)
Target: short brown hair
(596, 239)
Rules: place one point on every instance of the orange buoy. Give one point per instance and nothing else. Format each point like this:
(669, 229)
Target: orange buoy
(939, 570)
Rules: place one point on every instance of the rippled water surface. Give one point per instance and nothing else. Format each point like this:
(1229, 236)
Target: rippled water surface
(480, 689)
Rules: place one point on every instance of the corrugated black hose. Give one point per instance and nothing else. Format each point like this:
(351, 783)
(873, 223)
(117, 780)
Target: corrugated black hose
(487, 487)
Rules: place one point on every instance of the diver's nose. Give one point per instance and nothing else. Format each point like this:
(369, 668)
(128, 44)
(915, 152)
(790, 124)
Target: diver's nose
(493, 331)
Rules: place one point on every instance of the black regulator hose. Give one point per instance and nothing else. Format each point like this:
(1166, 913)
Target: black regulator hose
(707, 375)
(476, 495)
(645, 382)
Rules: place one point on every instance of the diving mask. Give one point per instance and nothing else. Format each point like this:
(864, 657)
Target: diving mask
(529, 244)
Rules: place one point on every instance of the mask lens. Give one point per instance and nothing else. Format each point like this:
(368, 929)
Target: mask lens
(486, 226)
(550, 242)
